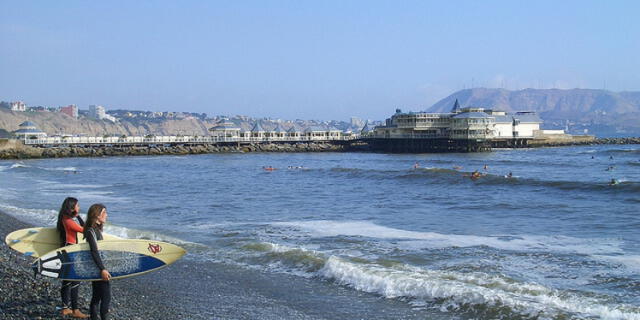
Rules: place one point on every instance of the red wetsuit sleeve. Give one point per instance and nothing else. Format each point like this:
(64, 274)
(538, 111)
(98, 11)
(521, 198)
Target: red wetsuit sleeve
(71, 229)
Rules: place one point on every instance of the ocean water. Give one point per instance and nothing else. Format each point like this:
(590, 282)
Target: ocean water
(555, 241)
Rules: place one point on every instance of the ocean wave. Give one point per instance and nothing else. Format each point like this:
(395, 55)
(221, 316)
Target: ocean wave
(622, 185)
(19, 165)
(475, 293)
(434, 240)
(131, 233)
(453, 176)
(30, 215)
(483, 295)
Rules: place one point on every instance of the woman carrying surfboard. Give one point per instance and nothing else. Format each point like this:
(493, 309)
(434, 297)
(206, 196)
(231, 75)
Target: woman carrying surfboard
(69, 224)
(101, 290)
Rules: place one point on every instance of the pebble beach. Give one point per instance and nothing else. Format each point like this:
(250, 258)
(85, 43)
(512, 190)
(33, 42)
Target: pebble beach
(23, 296)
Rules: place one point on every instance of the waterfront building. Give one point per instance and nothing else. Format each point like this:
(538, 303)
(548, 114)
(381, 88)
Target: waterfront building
(18, 106)
(279, 132)
(461, 123)
(462, 129)
(29, 130)
(257, 132)
(333, 133)
(314, 133)
(70, 110)
(293, 133)
(225, 129)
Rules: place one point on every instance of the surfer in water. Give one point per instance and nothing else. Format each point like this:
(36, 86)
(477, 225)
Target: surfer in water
(100, 290)
(69, 224)
(475, 175)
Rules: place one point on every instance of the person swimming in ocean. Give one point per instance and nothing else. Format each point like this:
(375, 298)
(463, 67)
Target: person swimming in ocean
(416, 165)
(475, 175)
(510, 175)
(613, 182)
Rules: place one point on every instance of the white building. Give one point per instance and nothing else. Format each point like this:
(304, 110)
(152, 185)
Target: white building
(459, 124)
(99, 112)
(18, 106)
(29, 130)
(225, 129)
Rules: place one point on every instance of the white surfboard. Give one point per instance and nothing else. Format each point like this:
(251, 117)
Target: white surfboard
(38, 241)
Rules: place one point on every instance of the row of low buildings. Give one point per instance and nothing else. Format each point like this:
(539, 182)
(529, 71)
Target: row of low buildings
(226, 129)
(459, 124)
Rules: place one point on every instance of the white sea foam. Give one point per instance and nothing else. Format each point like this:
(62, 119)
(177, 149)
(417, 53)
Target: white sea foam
(630, 262)
(56, 185)
(130, 233)
(61, 169)
(451, 290)
(413, 239)
(19, 165)
(35, 216)
(460, 290)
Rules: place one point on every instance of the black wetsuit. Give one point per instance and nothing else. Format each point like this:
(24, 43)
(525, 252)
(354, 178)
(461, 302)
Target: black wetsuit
(101, 290)
(69, 289)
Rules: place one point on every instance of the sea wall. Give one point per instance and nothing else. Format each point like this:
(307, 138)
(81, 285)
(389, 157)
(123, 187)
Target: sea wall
(581, 140)
(19, 151)
(14, 149)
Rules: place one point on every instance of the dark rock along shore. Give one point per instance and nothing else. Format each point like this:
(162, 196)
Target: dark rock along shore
(26, 152)
(23, 296)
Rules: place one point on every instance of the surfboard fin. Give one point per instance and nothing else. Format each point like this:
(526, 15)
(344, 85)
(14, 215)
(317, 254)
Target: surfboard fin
(36, 268)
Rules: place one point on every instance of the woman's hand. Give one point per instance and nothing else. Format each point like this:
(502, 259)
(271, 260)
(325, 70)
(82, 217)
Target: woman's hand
(106, 276)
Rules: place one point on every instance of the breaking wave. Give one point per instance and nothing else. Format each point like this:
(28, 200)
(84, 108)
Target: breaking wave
(478, 294)
(452, 176)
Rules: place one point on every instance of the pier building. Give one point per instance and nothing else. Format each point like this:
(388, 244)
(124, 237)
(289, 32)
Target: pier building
(29, 130)
(462, 129)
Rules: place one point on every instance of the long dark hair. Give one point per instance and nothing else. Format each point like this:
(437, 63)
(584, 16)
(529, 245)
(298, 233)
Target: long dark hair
(68, 209)
(92, 216)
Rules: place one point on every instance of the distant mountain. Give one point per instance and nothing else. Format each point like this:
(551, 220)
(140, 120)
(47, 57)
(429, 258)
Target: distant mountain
(601, 112)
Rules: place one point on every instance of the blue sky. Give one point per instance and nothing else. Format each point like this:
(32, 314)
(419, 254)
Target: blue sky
(308, 59)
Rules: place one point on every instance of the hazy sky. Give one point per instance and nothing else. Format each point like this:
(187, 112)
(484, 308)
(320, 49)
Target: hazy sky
(308, 59)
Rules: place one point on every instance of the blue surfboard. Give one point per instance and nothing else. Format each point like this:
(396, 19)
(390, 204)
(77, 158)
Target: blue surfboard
(122, 258)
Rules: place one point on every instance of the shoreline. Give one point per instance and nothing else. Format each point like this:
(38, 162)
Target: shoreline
(191, 289)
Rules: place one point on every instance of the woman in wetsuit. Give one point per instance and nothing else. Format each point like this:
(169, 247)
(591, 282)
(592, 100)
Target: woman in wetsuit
(101, 290)
(69, 224)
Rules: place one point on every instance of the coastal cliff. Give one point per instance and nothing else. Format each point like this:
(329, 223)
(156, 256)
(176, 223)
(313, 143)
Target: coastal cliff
(57, 123)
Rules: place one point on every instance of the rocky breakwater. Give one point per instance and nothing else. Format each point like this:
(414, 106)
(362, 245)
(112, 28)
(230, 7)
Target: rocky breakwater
(631, 140)
(19, 151)
(581, 140)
